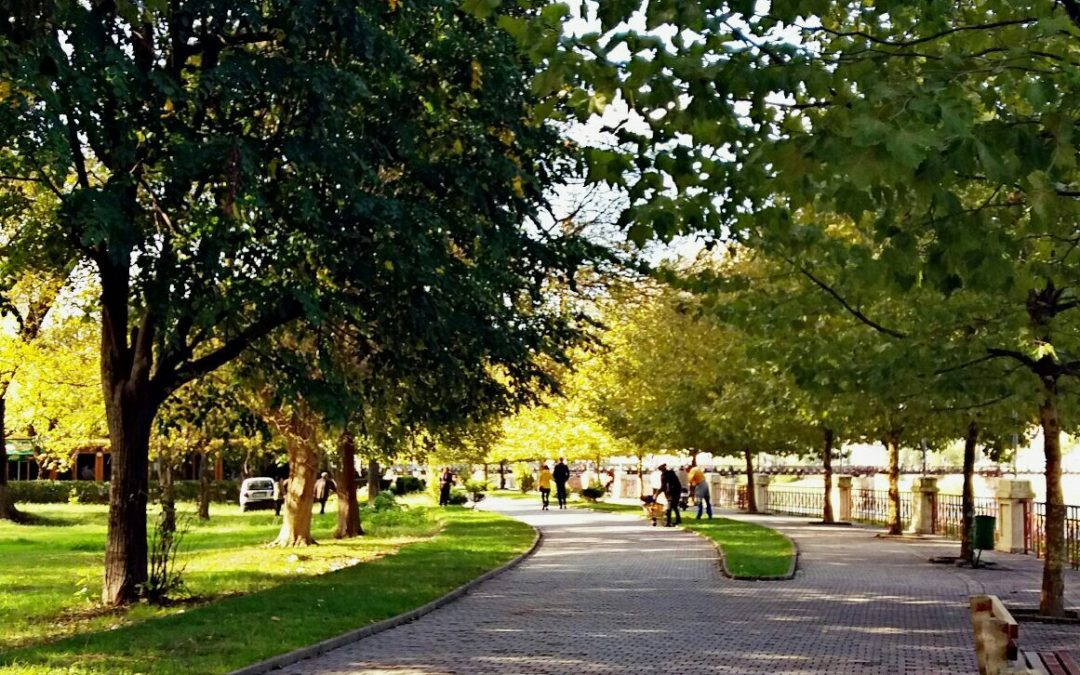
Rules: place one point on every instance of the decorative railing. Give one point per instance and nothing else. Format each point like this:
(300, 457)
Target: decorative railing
(949, 513)
(872, 506)
(733, 497)
(797, 501)
(1035, 532)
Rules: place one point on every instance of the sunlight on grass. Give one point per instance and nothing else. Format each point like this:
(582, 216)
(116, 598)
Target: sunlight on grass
(50, 580)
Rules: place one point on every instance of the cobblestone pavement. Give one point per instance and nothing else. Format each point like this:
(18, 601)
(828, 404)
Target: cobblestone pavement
(609, 594)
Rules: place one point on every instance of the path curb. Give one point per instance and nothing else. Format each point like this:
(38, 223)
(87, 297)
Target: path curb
(319, 648)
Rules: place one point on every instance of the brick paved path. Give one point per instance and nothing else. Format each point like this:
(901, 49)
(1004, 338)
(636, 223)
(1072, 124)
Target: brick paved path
(609, 594)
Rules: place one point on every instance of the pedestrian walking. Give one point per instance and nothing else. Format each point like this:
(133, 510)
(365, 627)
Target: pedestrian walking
(699, 487)
(561, 474)
(324, 487)
(446, 481)
(281, 488)
(672, 489)
(545, 487)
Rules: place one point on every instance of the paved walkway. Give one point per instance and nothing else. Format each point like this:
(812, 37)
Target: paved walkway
(609, 594)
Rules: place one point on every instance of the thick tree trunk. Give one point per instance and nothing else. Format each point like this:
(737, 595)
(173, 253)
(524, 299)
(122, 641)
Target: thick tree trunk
(1052, 597)
(967, 518)
(502, 474)
(751, 498)
(7, 502)
(892, 444)
(204, 487)
(348, 512)
(372, 480)
(826, 460)
(300, 495)
(130, 413)
(167, 497)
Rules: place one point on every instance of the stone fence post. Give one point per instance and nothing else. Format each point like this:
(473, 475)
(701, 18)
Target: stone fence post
(761, 493)
(843, 509)
(1014, 498)
(924, 492)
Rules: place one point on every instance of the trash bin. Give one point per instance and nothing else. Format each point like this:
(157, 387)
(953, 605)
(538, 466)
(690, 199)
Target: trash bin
(983, 534)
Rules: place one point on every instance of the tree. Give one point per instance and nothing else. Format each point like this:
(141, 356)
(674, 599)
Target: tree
(941, 131)
(233, 171)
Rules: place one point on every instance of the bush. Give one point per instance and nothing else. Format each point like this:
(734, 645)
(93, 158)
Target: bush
(386, 501)
(90, 492)
(406, 484)
(593, 493)
(458, 497)
(523, 476)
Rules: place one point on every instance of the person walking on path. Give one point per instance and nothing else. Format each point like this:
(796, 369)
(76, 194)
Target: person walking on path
(446, 481)
(281, 486)
(699, 487)
(672, 489)
(545, 486)
(324, 487)
(561, 476)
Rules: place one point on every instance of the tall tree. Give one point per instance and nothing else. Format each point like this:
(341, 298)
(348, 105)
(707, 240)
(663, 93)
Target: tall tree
(234, 169)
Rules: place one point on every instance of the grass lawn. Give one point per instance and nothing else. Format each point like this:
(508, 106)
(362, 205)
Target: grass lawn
(252, 602)
(749, 549)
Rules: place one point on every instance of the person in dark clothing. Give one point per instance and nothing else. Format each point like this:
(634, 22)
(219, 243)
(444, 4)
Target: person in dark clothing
(281, 488)
(446, 481)
(561, 474)
(324, 487)
(671, 487)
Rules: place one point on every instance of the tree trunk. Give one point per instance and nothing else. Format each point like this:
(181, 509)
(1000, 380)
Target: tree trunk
(7, 503)
(300, 494)
(1052, 597)
(502, 474)
(372, 480)
(204, 487)
(967, 518)
(130, 413)
(826, 460)
(892, 444)
(751, 498)
(641, 476)
(693, 458)
(348, 512)
(167, 497)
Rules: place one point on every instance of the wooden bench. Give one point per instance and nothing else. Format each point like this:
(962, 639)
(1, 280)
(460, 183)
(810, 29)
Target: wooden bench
(1049, 663)
(996, 632)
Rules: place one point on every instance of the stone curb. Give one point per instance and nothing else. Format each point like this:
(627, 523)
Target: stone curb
(319, 648)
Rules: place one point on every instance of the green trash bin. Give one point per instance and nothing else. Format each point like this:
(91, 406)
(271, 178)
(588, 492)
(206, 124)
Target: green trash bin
(983, 535)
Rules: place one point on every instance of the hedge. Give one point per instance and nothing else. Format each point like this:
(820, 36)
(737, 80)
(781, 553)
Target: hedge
(90, 492)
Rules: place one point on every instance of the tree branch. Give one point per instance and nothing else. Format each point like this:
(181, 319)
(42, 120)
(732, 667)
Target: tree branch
(846, 305)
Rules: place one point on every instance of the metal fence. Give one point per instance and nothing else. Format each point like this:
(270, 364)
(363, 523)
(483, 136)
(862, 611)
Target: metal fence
(733, 497)
(872, 506)
(949, 513)
(797, 501)
(1035, 532)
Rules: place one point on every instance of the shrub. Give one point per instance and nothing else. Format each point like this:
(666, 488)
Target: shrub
(458, 497)
(90, 492)
(523, 476)
(406, 484)
(165, 577)
(592, 493)
(386, 501)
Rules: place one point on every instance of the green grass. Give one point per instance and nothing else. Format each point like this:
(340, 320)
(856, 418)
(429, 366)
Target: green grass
(750, 550)
(254, 602)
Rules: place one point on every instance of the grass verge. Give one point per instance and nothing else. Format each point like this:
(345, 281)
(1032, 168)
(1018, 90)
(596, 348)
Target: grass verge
(264, 601)
(750, 550)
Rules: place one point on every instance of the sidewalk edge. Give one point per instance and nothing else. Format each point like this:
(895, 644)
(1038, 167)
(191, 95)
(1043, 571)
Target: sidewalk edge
(289, 658)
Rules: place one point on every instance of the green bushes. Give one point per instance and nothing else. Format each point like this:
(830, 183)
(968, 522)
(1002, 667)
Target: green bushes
(523, 477)
(90, 492)
(592, 493)
(406, 484)
(458, 497)
(385, 501)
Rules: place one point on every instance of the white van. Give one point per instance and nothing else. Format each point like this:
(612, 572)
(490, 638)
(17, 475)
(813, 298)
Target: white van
(256, 493)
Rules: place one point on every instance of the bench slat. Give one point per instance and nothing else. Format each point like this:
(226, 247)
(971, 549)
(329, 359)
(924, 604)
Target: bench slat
(1068, 663)
(1033, 662)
